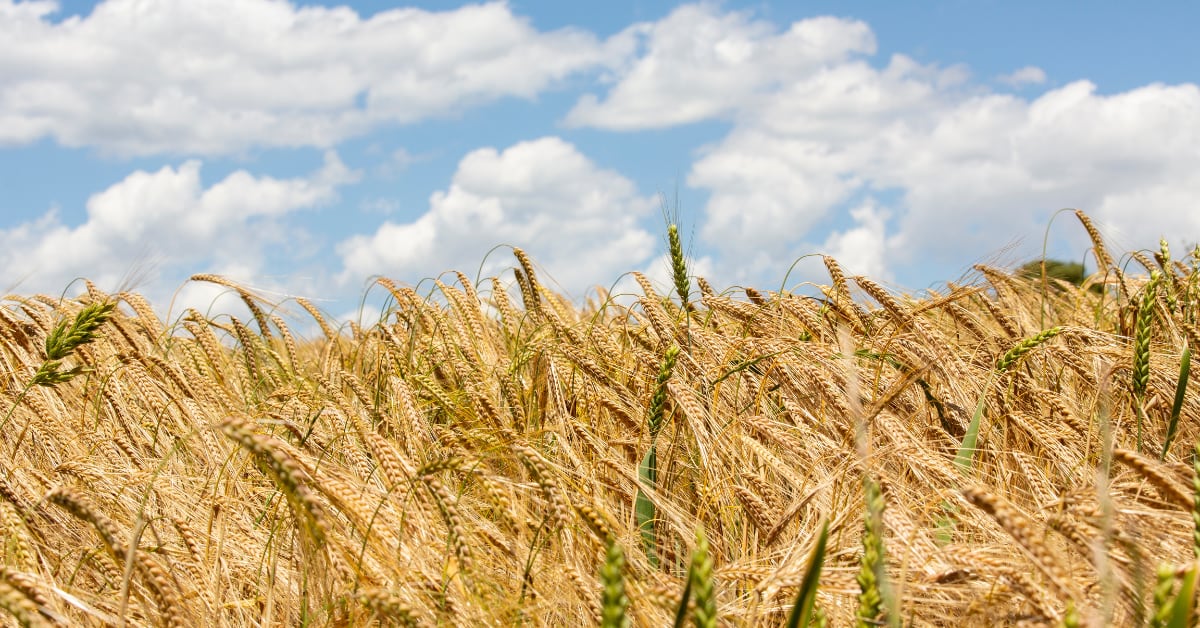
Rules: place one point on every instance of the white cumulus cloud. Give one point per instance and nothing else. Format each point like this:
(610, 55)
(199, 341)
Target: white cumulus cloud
(955, 170)
(224, 76)
(958, 171)
(699, 63)
(578, 222)
(168, 219)
(861, 250)
(930, 166)
(971, 172)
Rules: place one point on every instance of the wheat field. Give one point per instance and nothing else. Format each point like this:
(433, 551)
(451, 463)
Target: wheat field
(1014, 450)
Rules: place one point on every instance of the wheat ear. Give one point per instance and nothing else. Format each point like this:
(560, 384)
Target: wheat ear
(1150, 470)
(1012, 356)
(1141, 350)
(701, 580)
(247, 297)
(448, 506)
(648, 468)
(1196, 500)
(1103, 259)
(1022, 532)
(871, 572)
(613, 600)
(678, 266)
(165, 596)
(23, 609)
(530, 289)
(287, 472)
(66, 338)
(387, 606)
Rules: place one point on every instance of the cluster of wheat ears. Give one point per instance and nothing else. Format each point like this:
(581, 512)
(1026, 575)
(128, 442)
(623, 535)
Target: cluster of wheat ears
(1017, 450)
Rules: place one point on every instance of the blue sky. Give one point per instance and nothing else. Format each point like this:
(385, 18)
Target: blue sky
(302, 148)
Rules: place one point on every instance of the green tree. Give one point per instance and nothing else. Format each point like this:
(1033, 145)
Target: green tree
(1071, 272)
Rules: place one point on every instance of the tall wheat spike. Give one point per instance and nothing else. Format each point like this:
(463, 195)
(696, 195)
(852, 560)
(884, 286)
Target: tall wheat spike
(678, 266)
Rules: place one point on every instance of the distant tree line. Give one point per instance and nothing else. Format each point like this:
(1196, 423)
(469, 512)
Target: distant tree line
(1055, 269)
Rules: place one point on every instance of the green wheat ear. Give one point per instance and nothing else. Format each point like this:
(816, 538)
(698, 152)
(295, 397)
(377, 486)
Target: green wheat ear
(871, 572)
(701, 580)
(1012, 356)
(613, 600)
(1196, 500)
(66, 338)
(1141, 351)
(648, 468)
(678, 266)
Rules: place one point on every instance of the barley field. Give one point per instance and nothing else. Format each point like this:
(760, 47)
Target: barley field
(1015, 450)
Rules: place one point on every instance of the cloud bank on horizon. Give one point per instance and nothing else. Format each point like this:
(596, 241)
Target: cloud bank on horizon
(798, 138)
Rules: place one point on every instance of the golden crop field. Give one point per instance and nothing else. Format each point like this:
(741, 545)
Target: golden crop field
(1013, 450)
